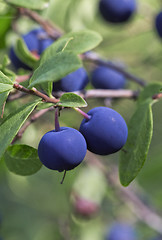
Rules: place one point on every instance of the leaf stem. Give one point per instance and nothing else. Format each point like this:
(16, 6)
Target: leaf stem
(63, 177)
(57, 125)
(85, 115)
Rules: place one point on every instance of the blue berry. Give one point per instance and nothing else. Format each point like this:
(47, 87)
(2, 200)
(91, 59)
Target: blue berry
(158, 24)
(62, 150)
(117, 11)
(36, 40)
(74, 81)
(105, 132)
(121, 231)
(106, 78)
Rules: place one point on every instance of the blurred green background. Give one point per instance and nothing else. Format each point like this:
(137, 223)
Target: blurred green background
(38, 207)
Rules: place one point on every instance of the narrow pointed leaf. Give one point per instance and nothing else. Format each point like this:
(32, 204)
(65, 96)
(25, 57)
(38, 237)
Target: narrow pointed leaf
(5, 87)
(135, 151)
(3, 97)
(11, 125)
(72, 100)
(55, 68)
(22, 160)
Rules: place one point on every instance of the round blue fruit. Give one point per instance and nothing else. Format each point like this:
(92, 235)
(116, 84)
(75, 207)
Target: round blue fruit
(117, 11)
(74, 81)
(105, 132)
(62, 150)
(36, 40)
(121, 231)
(106, 78)
(158, 24)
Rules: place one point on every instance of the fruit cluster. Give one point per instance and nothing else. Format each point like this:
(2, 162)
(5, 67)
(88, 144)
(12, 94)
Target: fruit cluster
(103, 132)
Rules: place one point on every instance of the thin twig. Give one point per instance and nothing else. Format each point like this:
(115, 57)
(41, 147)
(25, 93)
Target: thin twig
(35, 92)
(93, 57)
(53, 31)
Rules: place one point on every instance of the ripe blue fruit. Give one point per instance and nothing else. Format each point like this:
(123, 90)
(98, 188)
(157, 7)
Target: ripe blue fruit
(117, 11)
(74, 81)
(62, 150)
(121, 231)
(36, 40)
(106, 78)
(105, 132)
(158, 24)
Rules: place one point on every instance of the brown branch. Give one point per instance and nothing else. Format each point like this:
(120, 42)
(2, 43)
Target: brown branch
(31, 120)
(35, 92)
(94, 58)
(53, 31)
(128, 196)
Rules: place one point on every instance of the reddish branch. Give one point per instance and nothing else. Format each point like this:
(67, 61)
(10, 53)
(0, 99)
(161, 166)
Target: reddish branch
(35, 92)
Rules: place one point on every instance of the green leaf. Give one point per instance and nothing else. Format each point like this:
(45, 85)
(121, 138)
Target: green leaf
(6, 61)
(22, 160)
(54, 48)
(55, 68)
(148, 92)
(31, 4)
(8, 72)
(24, 54)
(11, 125)
(3, 97)
(72, 100)
(77, 42)
(5, 83)
(4, 79)
(44, 105)
(47, 88)
(135, 151)
(82, 41)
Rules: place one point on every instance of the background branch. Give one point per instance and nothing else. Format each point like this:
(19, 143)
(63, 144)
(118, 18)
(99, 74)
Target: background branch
(128, 196)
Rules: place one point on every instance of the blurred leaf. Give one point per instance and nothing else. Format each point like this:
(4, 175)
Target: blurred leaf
(6, 61)
(24, 54)
(7, 72)
(5, 83)
(31, 4)
(55, 68)
(72, 100)
(5, 22)
(22, 160)
(12, 123)
(82, 41)
(135, 151)
(148, 92)
(77, 42)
